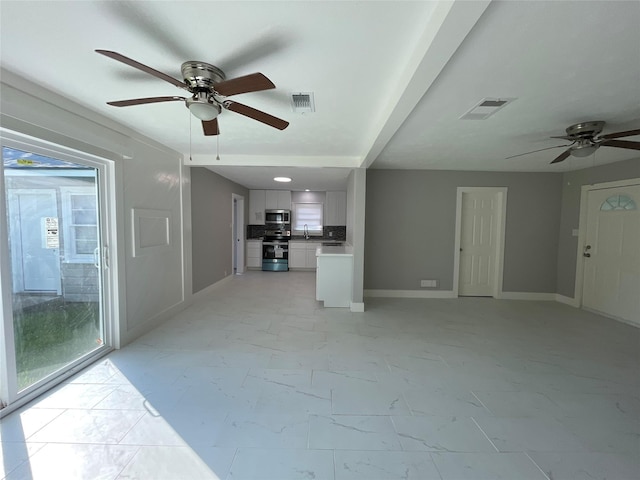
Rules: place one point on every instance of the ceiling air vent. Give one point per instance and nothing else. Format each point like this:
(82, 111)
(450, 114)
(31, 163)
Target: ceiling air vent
(485, 108)
(302, 102)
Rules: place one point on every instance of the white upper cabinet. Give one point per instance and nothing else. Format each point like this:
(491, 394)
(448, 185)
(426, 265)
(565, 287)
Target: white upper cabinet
(335, 209)
(278, 200)
(256, 207)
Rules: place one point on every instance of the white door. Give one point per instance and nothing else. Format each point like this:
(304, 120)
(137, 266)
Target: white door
(36, 264)
(478, 241)
(612, 253)
(237, 232)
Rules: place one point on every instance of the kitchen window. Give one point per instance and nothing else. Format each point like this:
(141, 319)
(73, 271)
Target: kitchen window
(309, 214)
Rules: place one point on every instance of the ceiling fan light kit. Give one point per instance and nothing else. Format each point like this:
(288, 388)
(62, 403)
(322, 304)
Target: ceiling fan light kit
(209, 90)
(201, 108)
(586, 139)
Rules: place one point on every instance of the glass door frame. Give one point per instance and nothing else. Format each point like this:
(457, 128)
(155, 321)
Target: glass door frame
(10, 397)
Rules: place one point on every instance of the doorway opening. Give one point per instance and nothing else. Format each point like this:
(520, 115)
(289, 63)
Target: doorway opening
(237, 233)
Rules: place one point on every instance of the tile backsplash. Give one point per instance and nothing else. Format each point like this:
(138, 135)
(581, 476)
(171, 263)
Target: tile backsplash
(333, 232)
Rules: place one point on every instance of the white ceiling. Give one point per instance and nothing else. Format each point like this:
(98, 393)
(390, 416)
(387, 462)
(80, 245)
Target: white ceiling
(391, 78)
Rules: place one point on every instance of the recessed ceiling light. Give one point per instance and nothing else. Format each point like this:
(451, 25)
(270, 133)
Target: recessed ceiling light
(306, 189)
(282, 179)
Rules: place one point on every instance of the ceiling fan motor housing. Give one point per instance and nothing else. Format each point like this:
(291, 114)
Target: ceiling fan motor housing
(585, 129)
(201, 75)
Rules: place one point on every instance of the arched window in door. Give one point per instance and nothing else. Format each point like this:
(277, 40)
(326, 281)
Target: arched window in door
(618, 202)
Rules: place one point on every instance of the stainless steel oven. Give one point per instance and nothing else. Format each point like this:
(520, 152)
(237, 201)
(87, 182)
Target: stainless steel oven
(275, 250)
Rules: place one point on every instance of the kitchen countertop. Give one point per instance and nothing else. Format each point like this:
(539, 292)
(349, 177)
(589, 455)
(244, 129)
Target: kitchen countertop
(334, 251)
(310, 240)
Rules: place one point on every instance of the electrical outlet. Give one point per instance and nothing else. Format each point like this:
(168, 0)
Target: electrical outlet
(331, 234)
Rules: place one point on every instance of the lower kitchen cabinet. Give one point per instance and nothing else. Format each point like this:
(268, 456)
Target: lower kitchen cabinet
(302, 254)
(254, 253)
(334, 279)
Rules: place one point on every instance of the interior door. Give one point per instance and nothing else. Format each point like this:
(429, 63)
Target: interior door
(238, 233)
(478, 243)
(612, 253)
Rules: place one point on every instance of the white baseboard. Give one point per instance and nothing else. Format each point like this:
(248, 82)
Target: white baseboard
(572, 302)
(357, 307)
(527, 296)
(410, 293)
(207, 290)
(612, 317)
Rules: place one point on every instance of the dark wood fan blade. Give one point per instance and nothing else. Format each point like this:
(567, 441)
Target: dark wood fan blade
(628, 133)
(534, 151)
(562, 157)
(142, 101)
(144, 68)
(210, 127)
(249, 83)
(258, 115)
(621, 144)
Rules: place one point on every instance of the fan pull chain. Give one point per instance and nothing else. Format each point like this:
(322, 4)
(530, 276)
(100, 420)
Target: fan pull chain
(190, 120)
(218, 146)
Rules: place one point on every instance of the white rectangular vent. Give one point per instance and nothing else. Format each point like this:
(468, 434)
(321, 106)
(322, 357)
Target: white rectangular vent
(302, 102)
(485, 108)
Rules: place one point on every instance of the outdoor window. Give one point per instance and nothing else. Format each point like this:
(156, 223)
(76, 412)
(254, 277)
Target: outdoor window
(80, 223)
(309, 214)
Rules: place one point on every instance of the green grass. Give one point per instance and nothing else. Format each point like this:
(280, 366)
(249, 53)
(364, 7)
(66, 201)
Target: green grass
(50, 335)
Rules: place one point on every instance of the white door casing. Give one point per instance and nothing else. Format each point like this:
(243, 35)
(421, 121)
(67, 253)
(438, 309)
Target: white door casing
(479, 241)
(611, 252)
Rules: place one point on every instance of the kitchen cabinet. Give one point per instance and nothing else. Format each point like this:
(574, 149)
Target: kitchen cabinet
(334, 276)
(278, 200)
(335, 209)
(302, 254)
(254, 253)
(256, 207)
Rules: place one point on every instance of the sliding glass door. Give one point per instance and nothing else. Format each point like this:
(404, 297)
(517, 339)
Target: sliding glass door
(56, 267)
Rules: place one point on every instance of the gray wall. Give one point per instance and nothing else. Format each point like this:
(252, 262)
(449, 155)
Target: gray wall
(211, 225)
(572, 183)
(410, 234)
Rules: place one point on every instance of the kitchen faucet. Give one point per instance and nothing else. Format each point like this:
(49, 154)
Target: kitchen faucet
(306, 232)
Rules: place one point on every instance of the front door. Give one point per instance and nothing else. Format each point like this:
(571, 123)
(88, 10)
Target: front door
(478, 241)
(612, 253)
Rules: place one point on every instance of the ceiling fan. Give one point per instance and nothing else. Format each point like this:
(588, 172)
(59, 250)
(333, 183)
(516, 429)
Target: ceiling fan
(585, 139)
(209, 90)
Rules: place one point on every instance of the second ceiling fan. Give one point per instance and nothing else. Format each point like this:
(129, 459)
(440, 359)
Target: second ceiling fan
(586, 138)
(209, 90)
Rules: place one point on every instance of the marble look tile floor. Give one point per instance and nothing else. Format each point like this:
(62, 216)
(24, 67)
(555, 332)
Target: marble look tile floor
(257, 381)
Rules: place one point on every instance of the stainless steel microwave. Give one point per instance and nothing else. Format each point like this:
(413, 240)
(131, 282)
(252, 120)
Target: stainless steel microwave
(277, 217)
